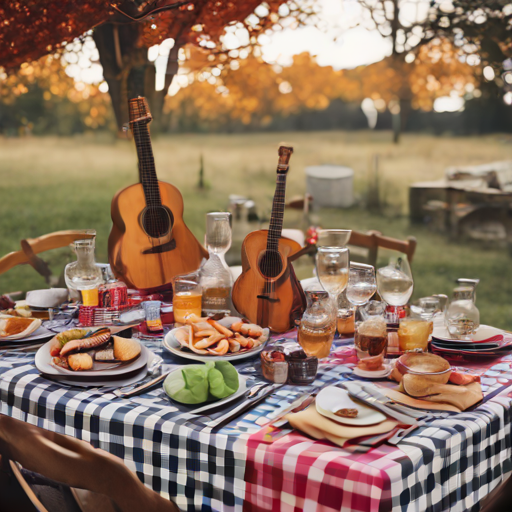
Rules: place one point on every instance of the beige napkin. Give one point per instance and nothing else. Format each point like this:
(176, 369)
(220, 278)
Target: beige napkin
(312, 423)
(442, 402)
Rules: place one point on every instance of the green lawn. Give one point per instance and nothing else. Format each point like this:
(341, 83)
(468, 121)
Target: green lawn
(48, 184)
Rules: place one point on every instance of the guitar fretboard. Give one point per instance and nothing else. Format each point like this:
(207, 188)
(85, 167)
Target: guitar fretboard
(147, 172)
(276, 219)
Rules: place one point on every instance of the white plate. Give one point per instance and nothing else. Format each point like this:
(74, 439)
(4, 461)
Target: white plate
(171, 344)
(373, 375)
(242, 388)
(483, 332)
(43, 362)
(120, 382)
(332, 398)
(36, 324)
(39, 334)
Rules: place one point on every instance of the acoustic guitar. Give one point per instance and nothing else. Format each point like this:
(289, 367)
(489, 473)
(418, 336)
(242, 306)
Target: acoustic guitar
(267, 291)
(149, 243)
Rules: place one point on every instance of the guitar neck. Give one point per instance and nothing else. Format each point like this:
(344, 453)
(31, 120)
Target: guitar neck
(276, 219)
(147, 171)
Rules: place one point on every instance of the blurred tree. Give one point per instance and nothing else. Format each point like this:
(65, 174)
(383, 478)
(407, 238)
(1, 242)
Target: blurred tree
(254, 93)
(482, 32)
(124, 30)
(402, 22)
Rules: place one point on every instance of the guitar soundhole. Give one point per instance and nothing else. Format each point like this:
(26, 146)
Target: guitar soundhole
(271, 264)
(156, 221)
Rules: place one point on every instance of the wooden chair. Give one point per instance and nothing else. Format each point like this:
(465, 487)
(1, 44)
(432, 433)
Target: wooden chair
(373, 240)
(370, 241)
(77, 465)
(30, 247)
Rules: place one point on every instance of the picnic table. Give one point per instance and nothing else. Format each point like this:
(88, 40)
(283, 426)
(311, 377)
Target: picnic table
(449, 463)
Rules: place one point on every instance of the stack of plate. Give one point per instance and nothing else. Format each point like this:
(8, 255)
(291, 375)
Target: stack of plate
(487, 342)
(115, 374)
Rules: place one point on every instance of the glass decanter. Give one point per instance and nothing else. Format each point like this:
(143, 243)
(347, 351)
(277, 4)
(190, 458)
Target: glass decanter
(216, 279)
(83, 274)
(462, 316)
(318, 325)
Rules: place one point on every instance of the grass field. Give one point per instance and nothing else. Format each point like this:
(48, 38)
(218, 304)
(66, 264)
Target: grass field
(48, 184)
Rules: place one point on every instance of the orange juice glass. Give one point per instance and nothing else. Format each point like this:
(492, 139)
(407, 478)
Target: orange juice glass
(187, 296)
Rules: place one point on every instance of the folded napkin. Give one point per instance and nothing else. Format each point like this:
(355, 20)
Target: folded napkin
(443, 401)
(312, 423)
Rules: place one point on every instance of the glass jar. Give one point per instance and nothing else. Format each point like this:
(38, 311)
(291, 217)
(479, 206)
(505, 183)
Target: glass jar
(83, 274)
(371, 336)
(318, 325)
(462, 316)
(413, 333)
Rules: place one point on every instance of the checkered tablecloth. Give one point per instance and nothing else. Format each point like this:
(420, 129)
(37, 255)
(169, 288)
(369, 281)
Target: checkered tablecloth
(450, 464)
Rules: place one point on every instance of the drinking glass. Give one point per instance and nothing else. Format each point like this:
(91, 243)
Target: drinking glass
(361, 283)
(395, 283)
(333, 237)
(332, 265)
(371, 337)
(218, 232)
(187, 296)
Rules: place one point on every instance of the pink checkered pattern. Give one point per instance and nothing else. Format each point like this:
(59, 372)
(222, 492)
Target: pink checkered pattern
(295, 473)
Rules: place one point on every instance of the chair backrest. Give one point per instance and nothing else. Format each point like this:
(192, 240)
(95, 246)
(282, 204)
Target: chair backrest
(373, 240)
(77, 464)
(33, 246)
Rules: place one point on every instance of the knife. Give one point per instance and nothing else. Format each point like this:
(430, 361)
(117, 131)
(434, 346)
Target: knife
(140, 389)
(356, 392)
(247, 404)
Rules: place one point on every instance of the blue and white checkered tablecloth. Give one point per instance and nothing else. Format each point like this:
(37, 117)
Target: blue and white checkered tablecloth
(452, 463)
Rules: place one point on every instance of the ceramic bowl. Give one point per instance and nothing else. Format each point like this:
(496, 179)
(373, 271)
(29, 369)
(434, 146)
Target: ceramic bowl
(434, 367)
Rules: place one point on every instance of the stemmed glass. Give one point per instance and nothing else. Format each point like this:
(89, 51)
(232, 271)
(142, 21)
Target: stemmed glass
(332, 264)
(361, 283)
(395, 283)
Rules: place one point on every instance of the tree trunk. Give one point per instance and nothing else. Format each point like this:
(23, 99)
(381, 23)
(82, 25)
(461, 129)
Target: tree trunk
(128, 72)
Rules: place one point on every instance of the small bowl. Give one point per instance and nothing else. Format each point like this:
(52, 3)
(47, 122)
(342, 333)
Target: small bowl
(428, 365)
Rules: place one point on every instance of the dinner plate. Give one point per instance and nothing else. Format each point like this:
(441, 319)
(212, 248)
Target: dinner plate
(40, 333)
(332, 398)
(172, 345)
(43, 362)
(483, 333)
(118, 381)
(15, 337)
(242, 388)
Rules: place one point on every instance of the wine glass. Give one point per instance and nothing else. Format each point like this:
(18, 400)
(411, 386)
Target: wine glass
(361, 283)
(218, 232)
(395, 283)
(332, 264)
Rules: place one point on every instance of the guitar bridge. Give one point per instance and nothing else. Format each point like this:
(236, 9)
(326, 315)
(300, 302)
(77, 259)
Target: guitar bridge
(266, 297)
(158, 249)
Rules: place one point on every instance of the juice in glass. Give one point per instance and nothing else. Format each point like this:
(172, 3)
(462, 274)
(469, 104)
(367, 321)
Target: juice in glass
(186, 303)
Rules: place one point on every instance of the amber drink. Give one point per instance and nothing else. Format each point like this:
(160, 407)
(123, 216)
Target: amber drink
(316, 342)
(186, 303)
(318, 325)
(371, 341)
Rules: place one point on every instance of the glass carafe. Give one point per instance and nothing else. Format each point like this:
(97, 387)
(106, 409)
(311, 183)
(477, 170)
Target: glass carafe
(83, 274)
(462, 316)
(216, 278)
(318, 325)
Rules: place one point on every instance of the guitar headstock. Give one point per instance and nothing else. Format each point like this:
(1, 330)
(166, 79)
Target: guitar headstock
(285, 152)
(139, 110)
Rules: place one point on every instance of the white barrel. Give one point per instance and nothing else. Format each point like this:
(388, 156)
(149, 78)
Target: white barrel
(332, 186)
